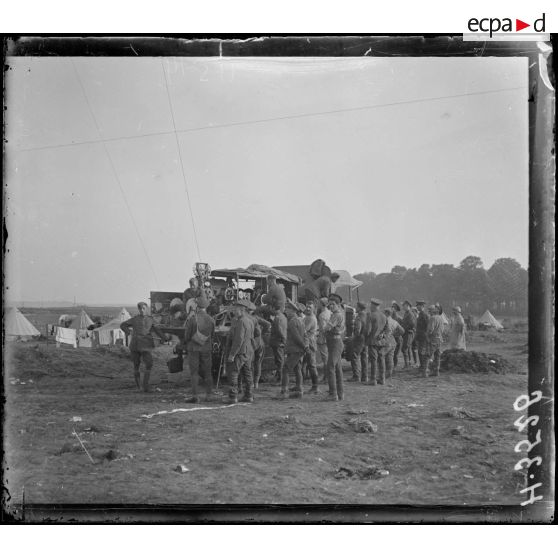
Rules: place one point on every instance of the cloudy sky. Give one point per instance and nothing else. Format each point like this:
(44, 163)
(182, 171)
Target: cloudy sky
(364, 162)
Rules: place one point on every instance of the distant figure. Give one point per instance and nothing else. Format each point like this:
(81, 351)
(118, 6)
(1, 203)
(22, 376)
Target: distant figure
(142, 343)
(398, 336)
(435, 338)
(421, 337)
(458, 330)
(409, 324)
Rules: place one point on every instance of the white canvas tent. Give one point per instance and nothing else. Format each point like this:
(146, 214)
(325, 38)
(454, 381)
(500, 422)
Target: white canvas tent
(110, 332)
(16, 325)
(83, 321)
(488, 320)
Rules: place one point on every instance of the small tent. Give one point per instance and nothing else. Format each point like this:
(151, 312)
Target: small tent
(488, 320)
(109, 333)
(16, 325)
(83, 321)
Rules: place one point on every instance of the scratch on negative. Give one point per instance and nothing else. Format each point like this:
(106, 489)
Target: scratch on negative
(367, 52)
(134, 50)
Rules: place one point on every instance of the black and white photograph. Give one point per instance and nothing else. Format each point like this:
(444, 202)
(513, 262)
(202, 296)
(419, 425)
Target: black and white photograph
(278, 273)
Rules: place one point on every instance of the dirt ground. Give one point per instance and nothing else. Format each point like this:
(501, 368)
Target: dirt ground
(446, 440)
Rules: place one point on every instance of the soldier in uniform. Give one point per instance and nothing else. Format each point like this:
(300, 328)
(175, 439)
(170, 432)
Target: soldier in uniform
(394, 331)
(192, 291)
(295, 348)
(261, 329)
(334, 331)
(377, 343)
(359, 356)
(323, 317)
(198, 339)
(457, 330)
(309, 360)
(409, 324)
(421, 336)
(435, 338)
(414, 346)
(241, 353)
(398, 337)
(277, 340)
(320, 287)
(142, 344)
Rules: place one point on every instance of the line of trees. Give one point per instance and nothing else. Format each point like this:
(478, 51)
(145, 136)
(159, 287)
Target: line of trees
(503, 289)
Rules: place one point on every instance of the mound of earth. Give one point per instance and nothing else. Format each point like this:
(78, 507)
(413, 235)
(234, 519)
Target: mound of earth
(456, 360)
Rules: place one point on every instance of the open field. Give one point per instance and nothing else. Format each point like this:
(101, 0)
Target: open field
(269, 452)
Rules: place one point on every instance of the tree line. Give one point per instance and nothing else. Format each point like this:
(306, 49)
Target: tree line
(503, 288)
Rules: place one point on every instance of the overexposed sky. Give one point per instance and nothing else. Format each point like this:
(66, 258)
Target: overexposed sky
(364, 162)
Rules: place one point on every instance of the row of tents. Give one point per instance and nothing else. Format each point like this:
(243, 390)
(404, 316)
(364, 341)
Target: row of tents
(79, 332)
(17, 326)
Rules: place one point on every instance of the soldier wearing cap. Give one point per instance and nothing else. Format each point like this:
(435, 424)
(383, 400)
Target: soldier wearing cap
(296, 346)
(359, 355)
(241, 353)
(198, 339)
(376, 342)
(323, 316)
(334, 332)
(262, 329)
(409, 324)
(457, 330)
(421, 337)
(142, 344)
(393, 331)
(309, 360)
(435, 338)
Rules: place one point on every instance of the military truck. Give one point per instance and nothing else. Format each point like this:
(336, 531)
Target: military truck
(222, 287)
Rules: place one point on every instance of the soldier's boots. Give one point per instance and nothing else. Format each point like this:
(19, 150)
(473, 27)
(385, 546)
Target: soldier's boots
(137, 378)
(248, 398)
(314, 390)
(331, 398)
(192, 399)
(296, 394)
(283, 394)
(355, 378)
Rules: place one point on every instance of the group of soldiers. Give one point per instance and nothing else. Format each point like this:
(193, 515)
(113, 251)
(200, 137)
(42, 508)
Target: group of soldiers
(307, 341)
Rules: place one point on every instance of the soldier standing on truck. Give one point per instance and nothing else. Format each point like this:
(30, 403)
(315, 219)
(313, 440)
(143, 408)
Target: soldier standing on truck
(241, 353)
(320, 287)
(198, 339)
(142, 343)
(275, 297)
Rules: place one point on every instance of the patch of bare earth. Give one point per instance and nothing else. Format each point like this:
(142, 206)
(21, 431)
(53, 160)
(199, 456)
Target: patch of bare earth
(445, 440)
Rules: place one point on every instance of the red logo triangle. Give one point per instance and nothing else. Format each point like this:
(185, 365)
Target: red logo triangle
(519, 25)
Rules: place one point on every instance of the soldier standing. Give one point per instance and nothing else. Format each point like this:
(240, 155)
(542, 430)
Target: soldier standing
(359, 356)
(409, 324)
(295, 348)
(458, 329)
(241, 353)
(394, 330)
(275, 297)
(261, 329)
(376, 343)
(311, 326)
(398, 337)
(435, 338)
(198, 339)
(142, 343)
(421, 336)
(324, 314)
(334, 331)
(277, 340)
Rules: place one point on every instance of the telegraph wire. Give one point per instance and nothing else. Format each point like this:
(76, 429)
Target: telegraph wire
(181, 162)
(274, 119)
(115, 173)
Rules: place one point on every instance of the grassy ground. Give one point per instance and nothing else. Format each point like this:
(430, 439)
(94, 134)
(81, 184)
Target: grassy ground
(269, 452)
